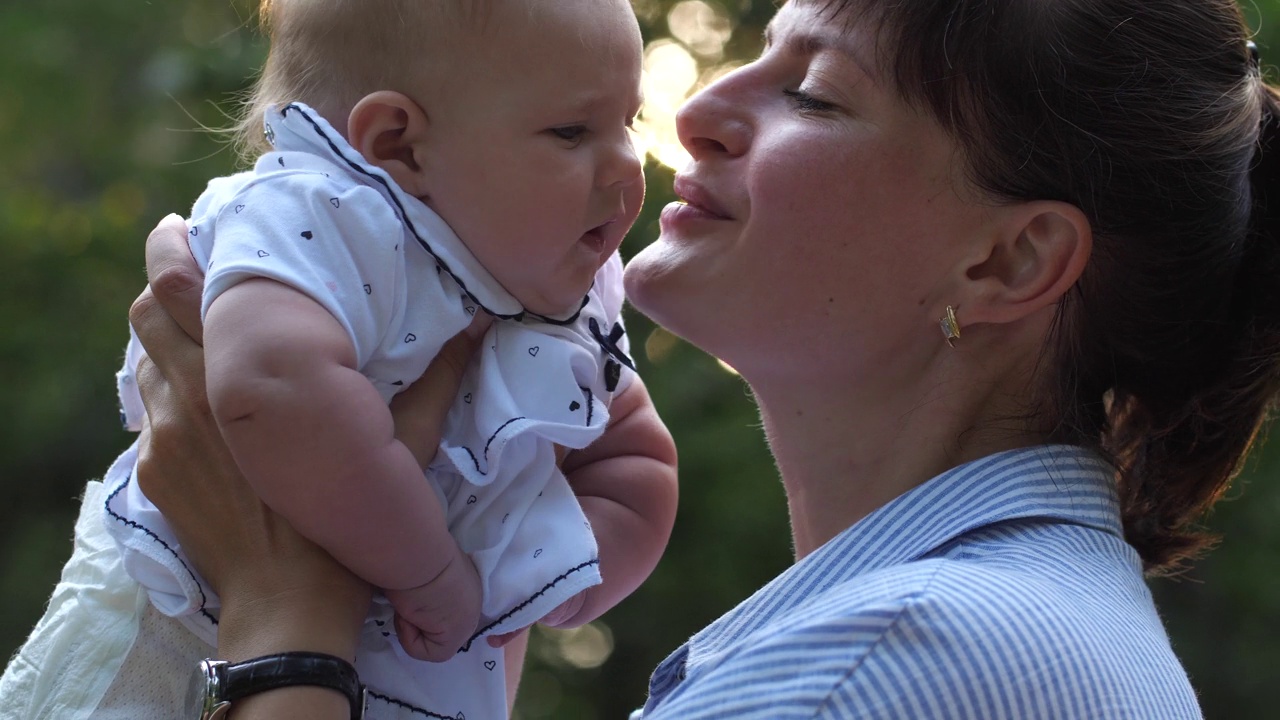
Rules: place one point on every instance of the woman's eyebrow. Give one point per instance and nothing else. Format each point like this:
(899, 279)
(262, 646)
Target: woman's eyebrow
(808, 44)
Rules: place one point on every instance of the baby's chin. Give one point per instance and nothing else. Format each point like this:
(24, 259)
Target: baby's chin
(557, 300)
(561, 306)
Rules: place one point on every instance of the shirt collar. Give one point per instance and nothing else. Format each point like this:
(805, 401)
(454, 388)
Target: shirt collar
(1053, 482)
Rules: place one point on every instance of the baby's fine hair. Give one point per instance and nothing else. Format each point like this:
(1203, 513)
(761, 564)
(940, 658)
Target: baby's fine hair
(1153, 118)
(330, 53)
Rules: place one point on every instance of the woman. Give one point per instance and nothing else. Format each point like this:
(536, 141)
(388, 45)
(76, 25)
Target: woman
(1028, 328)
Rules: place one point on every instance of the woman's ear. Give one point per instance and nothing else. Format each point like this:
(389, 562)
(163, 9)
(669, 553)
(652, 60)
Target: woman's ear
(1037, 252)
(389, 129)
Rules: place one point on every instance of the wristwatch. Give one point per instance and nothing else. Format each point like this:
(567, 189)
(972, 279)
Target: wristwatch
(217, 683)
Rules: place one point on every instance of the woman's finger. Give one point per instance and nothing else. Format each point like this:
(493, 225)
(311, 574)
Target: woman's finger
(445, 372)
(177, 356)
(175, 278)
(179, 446)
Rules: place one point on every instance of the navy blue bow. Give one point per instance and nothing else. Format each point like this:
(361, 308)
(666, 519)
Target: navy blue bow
(614, 357)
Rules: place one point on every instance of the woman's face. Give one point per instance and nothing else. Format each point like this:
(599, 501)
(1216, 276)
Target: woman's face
(820, 212)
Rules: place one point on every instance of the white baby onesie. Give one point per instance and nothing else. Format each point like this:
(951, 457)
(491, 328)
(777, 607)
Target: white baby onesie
(315, 216)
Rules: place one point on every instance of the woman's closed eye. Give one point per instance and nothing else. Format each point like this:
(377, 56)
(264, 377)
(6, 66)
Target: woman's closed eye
(805, 102)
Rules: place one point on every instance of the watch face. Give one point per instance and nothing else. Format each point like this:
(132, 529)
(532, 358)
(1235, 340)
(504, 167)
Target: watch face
(202, 696)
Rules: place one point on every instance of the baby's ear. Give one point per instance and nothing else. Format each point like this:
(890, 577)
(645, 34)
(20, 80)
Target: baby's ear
(389, 130)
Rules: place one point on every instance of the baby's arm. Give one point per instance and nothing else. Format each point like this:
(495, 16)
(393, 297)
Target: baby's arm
(626, 483)
(316, 441)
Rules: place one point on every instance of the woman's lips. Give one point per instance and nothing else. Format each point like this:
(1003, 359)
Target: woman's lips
(695, 207)
(680, 213)
(696, 196)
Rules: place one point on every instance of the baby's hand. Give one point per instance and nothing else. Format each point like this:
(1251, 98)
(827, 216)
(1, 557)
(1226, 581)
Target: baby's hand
(434, 620)
(559, 615)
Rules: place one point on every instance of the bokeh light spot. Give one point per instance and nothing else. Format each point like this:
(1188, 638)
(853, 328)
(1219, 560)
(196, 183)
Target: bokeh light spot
(704, 28)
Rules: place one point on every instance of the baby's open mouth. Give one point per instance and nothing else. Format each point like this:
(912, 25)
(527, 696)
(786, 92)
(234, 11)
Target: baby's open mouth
(594, 238)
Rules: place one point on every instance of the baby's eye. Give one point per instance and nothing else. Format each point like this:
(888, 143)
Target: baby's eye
(570, 133)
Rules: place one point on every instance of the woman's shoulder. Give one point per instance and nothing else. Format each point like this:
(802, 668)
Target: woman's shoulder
(949, 637)
(944, 638)
(1005, 606)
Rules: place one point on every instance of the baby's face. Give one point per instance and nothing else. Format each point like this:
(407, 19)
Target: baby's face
(530, 157)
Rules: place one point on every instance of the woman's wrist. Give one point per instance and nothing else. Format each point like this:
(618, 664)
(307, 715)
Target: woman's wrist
(284, 622)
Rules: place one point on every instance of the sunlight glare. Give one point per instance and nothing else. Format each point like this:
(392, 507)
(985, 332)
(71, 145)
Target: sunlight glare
(670, 73)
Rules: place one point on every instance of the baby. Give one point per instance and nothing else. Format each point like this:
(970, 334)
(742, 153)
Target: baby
(425, 162)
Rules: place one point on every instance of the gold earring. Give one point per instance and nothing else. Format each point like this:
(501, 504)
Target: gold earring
(950, 327)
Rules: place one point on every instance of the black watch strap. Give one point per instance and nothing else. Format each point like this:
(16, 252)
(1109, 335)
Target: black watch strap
(289, 669)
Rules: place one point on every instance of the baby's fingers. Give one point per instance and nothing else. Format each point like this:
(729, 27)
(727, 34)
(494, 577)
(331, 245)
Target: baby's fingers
(420, 645)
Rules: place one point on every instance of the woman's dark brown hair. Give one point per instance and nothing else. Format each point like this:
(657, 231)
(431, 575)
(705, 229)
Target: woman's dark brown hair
(1151, 117)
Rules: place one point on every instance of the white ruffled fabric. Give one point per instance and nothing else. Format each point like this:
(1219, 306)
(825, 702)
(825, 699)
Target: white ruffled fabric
(99, 651)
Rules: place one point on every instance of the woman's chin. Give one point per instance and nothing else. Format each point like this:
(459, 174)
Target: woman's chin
(652, 280)
(670, 288)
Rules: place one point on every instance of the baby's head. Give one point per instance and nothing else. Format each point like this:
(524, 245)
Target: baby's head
(509, 118)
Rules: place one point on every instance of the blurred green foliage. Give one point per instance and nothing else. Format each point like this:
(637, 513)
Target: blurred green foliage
(101, 110)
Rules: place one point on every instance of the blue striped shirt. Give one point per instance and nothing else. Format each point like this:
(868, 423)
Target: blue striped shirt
(1002, 588)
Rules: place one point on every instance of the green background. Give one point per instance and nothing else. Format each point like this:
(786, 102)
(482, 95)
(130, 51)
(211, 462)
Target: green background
(101, 105)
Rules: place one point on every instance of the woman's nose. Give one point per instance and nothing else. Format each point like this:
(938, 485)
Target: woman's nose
(715, 121)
